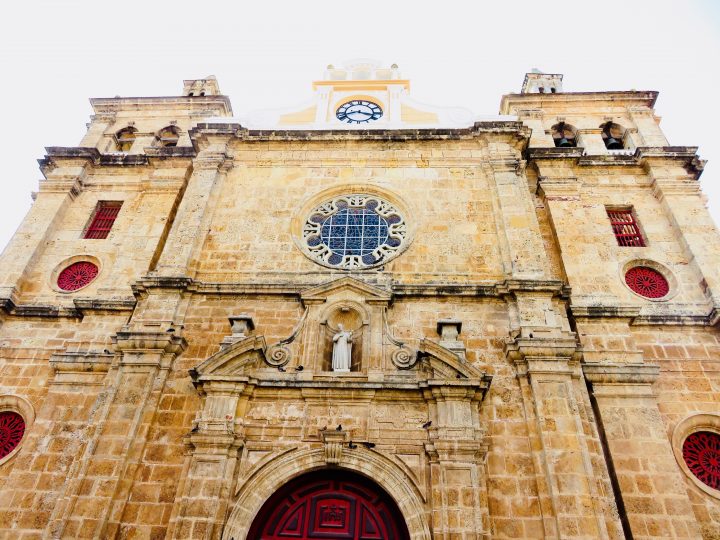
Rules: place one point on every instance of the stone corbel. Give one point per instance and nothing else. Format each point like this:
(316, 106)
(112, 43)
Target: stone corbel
(334, 442)
(86, 368)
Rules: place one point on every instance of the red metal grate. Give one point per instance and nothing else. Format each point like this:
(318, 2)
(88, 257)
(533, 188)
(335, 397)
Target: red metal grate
(77, 275)
(626, 229)
(701, 452)
(12, 429)
(103, 219)
(647, 282)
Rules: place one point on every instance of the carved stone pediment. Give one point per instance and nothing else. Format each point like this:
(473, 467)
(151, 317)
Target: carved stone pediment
(343, 287)
(233, 361)
(442, 363)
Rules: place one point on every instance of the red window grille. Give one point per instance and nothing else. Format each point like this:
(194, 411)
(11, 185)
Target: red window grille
(12, 429)
(77, 275)
(102, 220)
(647, 282)
(626, 229)
(701, 452)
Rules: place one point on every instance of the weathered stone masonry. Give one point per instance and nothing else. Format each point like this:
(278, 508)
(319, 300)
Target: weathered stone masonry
(507, 381)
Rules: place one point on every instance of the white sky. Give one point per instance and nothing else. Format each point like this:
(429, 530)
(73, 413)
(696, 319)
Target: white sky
(54, 55)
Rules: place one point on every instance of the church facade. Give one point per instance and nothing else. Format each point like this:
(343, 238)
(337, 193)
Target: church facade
(363, 318)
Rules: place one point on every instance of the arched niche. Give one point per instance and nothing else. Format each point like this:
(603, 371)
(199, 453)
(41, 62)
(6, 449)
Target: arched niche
(353, 317)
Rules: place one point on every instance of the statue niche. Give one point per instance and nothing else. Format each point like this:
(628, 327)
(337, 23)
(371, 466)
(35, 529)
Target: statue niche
(343, 340)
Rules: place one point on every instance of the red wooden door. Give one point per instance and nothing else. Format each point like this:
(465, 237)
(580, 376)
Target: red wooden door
(329, 505)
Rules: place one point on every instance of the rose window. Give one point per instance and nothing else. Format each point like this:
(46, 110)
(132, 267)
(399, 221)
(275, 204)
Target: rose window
(12, 429)
(77, 275)
(647, 282)
(354, 231)
(701, 452)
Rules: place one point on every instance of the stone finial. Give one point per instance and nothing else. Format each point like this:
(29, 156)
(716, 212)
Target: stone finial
(241, 326)
(449, 330)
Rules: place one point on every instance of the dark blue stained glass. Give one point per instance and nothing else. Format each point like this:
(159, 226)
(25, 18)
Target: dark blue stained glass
(354, 231)
(313, 241)
(368, 259)
(393, 219)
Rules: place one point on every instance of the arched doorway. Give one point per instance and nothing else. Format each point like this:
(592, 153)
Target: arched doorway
(331, 505)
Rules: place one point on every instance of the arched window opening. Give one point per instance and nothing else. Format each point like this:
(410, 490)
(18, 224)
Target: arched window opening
(564, 135)
(168, 136)
(541, 89)
(612, 135)
(125, 138)
(330, 504)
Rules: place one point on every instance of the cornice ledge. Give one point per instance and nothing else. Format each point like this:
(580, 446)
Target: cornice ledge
(161, 282)
(677, 319)
(609, 160)
(484, 127)
(81, 361)
(621, 373)
(100, 304)
(55, 154)
(688, 154)
(510, 286)
(133, 341)
(161, 152)
(554, 153)
(36, 310)
(591, 312)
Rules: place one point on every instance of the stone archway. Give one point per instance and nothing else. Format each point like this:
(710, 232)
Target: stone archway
(274, 474)
(329, 503)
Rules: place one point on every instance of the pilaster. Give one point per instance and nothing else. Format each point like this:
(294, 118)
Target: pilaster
(685, 207)
(649, 482)
(62, 185)
(188, 232)
(107, 468)
(521, 243)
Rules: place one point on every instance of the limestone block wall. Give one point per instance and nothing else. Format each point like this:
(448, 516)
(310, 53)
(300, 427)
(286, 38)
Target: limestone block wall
(577, 200)
(447, 194)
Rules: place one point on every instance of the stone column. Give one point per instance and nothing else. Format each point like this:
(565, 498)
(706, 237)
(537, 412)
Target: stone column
(521, 244)
(567, 479)
(194, 215)
(652, 490)
(107, 468)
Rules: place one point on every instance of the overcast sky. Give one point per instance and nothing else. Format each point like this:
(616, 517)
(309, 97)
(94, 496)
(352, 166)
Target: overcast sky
(54, 55)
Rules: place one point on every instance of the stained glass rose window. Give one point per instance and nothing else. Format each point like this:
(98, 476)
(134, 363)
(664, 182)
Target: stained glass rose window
(354, 232)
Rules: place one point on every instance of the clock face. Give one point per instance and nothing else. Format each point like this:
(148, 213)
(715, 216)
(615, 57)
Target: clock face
(358, 111)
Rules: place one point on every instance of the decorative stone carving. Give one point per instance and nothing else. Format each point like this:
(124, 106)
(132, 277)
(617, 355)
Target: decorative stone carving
(241, 326)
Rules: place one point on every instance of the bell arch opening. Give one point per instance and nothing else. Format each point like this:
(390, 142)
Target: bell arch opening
(330, 504)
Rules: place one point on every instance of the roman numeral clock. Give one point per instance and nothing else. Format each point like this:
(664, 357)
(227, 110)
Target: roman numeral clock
(359, 111)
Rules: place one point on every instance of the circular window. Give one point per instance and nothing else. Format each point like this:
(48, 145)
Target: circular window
(354, 231)
(77, 275)
(701, 452)
(647, 282)
(12, 429)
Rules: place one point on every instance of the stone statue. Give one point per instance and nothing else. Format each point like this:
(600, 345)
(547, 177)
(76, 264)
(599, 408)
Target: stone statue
(342, 349)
